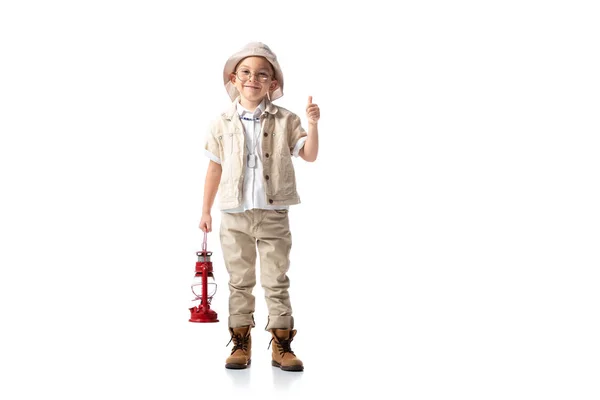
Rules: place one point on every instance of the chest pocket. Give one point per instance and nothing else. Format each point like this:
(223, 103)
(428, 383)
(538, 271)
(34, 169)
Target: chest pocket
(231, 143)
(280, 143)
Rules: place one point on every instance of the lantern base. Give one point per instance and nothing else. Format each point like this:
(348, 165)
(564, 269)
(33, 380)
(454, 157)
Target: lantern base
(200, 315)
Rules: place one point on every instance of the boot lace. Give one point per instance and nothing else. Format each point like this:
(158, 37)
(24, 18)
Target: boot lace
(239, 342)
(283, 346)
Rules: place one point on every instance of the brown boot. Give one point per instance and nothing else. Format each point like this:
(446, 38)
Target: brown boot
(283, 356)
(242, 348)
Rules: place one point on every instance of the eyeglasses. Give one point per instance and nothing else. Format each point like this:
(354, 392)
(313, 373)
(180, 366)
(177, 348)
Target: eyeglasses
(245, 74)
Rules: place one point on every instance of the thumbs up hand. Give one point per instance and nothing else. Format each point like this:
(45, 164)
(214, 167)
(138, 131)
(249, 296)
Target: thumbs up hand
(312, 112)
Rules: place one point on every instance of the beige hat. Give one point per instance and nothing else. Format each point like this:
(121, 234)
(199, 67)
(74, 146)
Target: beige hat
(254, 49)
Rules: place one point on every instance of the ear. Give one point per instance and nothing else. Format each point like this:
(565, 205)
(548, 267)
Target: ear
(232, 77)
(273, 86)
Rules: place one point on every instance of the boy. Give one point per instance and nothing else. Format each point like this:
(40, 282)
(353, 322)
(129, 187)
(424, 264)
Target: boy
(250, 148)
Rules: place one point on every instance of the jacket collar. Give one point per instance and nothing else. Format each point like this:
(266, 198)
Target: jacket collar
(270, 108)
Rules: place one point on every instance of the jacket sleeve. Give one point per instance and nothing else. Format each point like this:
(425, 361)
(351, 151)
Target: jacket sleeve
(295, 134)
(212, 148)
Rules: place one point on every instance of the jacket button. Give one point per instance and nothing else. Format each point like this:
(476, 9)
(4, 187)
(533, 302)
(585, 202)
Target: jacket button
(270, 201)
(266, 134)
(267, 177)
(267, 155)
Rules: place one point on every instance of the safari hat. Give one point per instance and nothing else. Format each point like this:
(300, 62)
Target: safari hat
(254, 49)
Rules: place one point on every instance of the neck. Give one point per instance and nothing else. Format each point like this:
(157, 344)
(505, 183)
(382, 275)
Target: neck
(249, 105)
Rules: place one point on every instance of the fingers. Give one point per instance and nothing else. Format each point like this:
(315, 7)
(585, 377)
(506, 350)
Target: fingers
(206, 227)
(310, 106)
(312, 110)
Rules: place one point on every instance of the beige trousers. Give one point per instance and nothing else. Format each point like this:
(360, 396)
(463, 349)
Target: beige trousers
(241, 234)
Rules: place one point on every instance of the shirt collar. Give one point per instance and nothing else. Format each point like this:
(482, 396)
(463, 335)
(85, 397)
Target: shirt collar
(268, 108)
(256, 113)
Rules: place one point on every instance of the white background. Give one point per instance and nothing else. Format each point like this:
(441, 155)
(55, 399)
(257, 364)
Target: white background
(447, 244)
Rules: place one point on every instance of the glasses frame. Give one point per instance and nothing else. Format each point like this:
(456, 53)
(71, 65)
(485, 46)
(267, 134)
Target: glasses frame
(253, 74)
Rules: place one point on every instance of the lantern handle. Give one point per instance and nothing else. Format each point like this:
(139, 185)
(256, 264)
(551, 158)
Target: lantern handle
(204, 243)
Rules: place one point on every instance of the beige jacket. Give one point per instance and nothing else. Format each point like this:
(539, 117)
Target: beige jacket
(280, 130)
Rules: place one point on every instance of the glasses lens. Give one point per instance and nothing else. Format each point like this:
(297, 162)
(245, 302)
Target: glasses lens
(262, 77)
(243, 75)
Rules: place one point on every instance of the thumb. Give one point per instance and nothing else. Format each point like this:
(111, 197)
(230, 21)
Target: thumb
(309, 99)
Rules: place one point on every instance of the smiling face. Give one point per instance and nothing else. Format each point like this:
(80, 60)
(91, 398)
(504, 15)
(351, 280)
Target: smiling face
(253, 78)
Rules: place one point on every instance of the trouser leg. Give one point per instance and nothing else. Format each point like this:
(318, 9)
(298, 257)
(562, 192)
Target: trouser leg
(274, 245)
(239, 254)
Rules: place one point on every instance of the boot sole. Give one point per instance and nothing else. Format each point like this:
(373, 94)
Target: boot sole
(237, 366)
(290, 368)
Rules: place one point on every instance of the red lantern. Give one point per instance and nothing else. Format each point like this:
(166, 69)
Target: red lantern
(204, 288)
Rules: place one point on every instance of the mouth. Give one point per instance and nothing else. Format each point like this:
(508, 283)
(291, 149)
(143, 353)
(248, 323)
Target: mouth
(252, 87)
